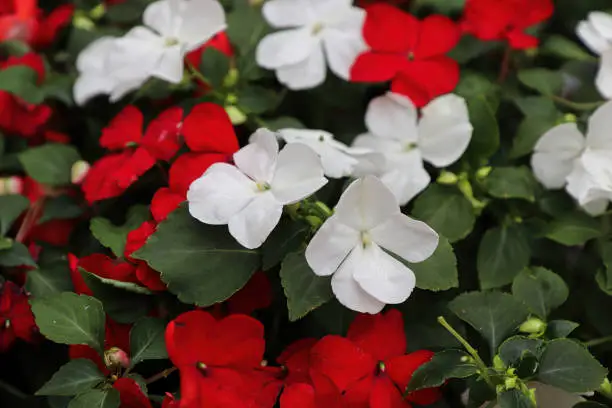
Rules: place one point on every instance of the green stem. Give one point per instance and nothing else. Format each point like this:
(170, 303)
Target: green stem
(471, 350)
(13, 390)
(579, 106)
(193, 71)
(597, 342)
(161, 375)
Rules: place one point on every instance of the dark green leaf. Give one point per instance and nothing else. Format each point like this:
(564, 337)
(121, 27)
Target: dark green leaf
(11, 207)
(16, 255)
(126, 12)
(560, 328)
(287, 237)
(147, 340)
(284, 122)
(201, 264)
(511, 182)
(113, 236)
(568, 365)
(6, 243)
(540, 289)
(494, 315)
(72, 378)
(305, 291)
(514, 399)
(438, 272)
(469, 47)
(69, 318)
(443, 366)
(573, 229)
(446, 210)
(537, 106)
(512, 350)
(257, 99)
(485, 139)
(49, 280)
(60, 208)
(245, 26)
(59, 86)
(21, 80)
(50, 163)
(528, 133)
(545, 81)
(562, 47)
(214, 65)
(107, 398)
(503, 253)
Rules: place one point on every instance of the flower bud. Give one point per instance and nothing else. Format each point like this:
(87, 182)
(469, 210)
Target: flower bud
(533, 325)
(510, 383)
(447, 178)
(11, 185)
(231, 78)
(498, 363)
(115, 357)
(568, 118)
(236, 115)
(78, 171)
(483, 172)
(606, 388)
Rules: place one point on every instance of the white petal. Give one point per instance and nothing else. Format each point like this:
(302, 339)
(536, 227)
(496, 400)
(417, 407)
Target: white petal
(590, 184)
(120, 89)
(342, 49)
(591, 37)
(299, 174)
(366, 203)
(162, 16)
(220, 193)
(349, 292)
(596, 207)
(200, 21)
(602, 22)
(392, 116)
(288, 13)
(599, 135)
(603, 81)
(407, 238)
(258, 159)
(135, 55)
(170, 65)
(333, 12)
(405, 175)
(306, 74)
(382, 276)
(252, 225)
(444, 130)
(330, 246)
(555, 153)
(287, 47)
(88, 86)
(93, 58)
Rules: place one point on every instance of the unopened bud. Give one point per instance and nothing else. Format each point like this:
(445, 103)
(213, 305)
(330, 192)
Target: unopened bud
(231, 78)
(568, 118)
(115, 357)
(236, 115)
(510, 383)
(78, 171)
(532, 52)
(314, 221)
(606, 387)
(533, 325)
(483, 172)
(11, 185)
(447, 178)
(498, 363)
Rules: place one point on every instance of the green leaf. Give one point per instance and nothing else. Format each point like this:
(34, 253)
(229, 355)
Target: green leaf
(69, 318)
(60, 208)
(11, 207)
(485, 139)
(512, 350)
(494, 315)
(16, 255)
(6, 243)
(514, 399)
(537, 106)
(443, 366)
(502, 254)
(438, 272)
(50, 163)
(568, 365)
(49, 280)
(545, 81)
(573, 229)
(562, 47)
(560, 328)
(59, 86)
(126, 12)
(113, 236)
(445, 210)
(284, 122)
(257, 99)
(540, 289)
(305, 291)
(107, 398)
(127, 286)
(147, 340)
(214, 65)
(202, 264)
(245, 26)
(470, 47)
(442, 6)
(528, 133)
(72, 378)
(511, 182)
(287, 237)
(21, 80)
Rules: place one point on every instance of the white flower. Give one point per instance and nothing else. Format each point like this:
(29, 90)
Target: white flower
(316, 31)
(596, 33)
(440, 137)
(338, 159)
(250, 196)
(355, 243)
(564, 157)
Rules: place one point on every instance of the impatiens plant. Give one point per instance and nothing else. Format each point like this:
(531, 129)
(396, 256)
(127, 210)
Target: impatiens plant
(305, 203)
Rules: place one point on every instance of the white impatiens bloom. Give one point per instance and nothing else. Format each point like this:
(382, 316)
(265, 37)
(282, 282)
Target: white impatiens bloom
(316, 31)
(249, 197)
(563, 157)
(172, 28)
(596, 33)
(355, 245)
(338, 159)
(439, 137)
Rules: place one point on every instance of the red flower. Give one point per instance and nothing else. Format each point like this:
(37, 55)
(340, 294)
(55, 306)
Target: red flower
(135, 240)
(255, 295)
(130, 393)
(16, 115)
(296, 361)
(16, 318)
(409, 52)
(219, 361)
(492, 20)
(220, 42)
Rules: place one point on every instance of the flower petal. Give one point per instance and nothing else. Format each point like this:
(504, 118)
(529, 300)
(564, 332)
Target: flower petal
(124, 129)
(603, 81)
(600, 122)
(389, 29)
(405, 176)
(258, 159)
(444, 130)
(288, 13)
(285, 47)
(588, 34)
(200, 21)
(161, 138)
(392, 116)
(161, 16)
(330, 246)
(407, 238)
(88, 86)
(298, 174)
(208, 128)
(377, 67)
(219, 194)
(438, 35)
(190, 166)
(254, 223)
(170, 65)
(382, 335)
(342, 49)
(305, 74)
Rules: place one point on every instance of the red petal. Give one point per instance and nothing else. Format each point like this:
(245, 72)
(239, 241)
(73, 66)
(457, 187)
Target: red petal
(105, 267)
(169, 402)
(487, 19)
(389, 29)
(99, 183)
(162, 136)
(54, 232)
(124, 130)
(208, 128)
(341, 361)
(57, 137)
(150, 277)
(138, 237)
(80, 287)
(189, 167)
(81, 351)
(532, 12)
(385, 395)
(164, 202)
(48, 27)
(400, 370)
(220, 42)
(255, 295)
(382, 336)
(296, 359)
(521, 41)
(423, 81)
(377, 67)
(117, 335)
(31, 60)
(438, 35)
(131, 394)
(21, 118)
(138, 163)
(298, 396)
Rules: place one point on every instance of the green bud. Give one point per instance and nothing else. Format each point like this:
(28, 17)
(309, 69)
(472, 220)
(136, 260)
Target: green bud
(231, 99)
(314, 221)
(569, 118)
(606, 387)
(483, 172)
(498, 363)
(231, 78)
(236, 115)
(323, 208)
(97, 12)
(532, 397)
(82, 21)
(532, 52)
(447, 178)
(510, 383)
(533, 325)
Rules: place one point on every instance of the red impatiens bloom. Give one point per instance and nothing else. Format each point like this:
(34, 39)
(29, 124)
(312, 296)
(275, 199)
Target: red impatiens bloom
(16, 115)
(219, 361)
(16, 318)
(491, 20)
(409, 52)
(144, 273)
(130, 394)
